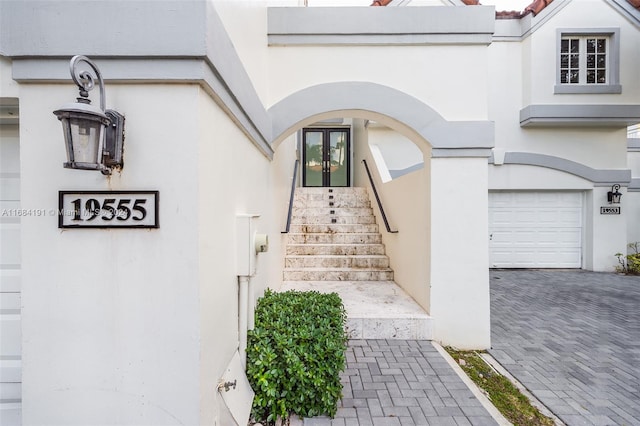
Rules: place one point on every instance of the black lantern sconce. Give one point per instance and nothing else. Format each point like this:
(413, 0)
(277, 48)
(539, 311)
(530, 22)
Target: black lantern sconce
(93, 136)
(614, 195)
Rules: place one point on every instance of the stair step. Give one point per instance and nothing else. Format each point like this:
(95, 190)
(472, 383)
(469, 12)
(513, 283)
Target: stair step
(353, 203)
(375, 262)
(335, 246)
(334, 228)
(335, 249)
(337, 211)
(330, 219)
(352, 190)
(336, 274)
(335, 238)
(375, 309)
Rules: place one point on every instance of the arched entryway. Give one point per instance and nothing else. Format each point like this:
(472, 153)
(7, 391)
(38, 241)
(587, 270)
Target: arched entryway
(422, 254)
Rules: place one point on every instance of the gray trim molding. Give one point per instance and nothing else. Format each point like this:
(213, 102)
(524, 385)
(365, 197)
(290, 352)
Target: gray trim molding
(613, 61)
(174, 41)
(520, 29)
(634, 185)
(633, 144)
(358, 99)
(599, 177)
(401, 172)
(380, 25)
(627, 10)
(579, 115)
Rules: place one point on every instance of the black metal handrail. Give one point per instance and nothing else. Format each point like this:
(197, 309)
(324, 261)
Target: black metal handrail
(293, 190)
(375, 192)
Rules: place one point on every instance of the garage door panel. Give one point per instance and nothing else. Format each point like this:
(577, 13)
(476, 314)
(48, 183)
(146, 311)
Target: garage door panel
(9, 187)
(10, 277)
(9, 244)
(535, 229)
(10, 280)
(10, 413)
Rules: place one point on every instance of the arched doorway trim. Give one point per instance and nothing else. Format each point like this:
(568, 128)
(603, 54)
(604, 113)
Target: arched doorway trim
(354, 96)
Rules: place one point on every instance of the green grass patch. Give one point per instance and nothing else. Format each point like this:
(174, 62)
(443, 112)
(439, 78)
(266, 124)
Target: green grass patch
(295, 354)
(501, 392)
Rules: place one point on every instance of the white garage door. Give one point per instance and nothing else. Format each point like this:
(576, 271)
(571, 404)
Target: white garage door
(10, 346)
(535, 229)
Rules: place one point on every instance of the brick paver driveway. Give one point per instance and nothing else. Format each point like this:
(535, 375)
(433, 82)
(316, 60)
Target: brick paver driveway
(573, 339)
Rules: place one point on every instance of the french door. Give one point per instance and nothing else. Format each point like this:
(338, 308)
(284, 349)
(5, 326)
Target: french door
(326, 154)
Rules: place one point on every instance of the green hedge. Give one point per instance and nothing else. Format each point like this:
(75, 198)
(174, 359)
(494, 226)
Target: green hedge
(295, 355)
(630, 264)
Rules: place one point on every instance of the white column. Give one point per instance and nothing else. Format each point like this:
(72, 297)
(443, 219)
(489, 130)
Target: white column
(459, 252)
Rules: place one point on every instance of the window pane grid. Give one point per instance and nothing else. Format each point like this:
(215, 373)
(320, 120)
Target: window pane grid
(596, 61)
(570, 61)
(583, 60)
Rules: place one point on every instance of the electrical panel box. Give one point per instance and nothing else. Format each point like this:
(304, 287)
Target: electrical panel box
(246, 253)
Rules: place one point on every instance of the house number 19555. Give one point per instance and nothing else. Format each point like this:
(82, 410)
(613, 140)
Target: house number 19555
(108, 209)
(121, 211)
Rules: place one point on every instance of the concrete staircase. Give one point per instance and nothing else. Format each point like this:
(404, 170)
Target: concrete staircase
(334, 245)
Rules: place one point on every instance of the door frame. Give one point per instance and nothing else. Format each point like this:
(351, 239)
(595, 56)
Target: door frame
(326, 153)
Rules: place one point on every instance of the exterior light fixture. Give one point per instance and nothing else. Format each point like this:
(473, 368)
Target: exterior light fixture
(614, 195)
(93, 136)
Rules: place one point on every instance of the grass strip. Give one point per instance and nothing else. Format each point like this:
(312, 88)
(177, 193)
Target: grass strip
(501, 392)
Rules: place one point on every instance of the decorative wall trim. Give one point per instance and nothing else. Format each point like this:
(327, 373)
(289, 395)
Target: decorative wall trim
(520, 29)
(627, 10)
(633, 144)
(634, 185)
(579, 115)
(599, 177)
(401, 172)
(380, 25)
(354, 99)
(183, 42)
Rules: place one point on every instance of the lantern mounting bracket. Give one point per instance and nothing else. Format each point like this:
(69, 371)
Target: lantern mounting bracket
(94, 137)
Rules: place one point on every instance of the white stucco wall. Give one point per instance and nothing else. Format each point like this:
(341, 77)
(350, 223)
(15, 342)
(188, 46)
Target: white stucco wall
(407, 207)
(8, 87)
(126, 301)
(246, 24)
(140, 324)
(411, 69)
(508, 94)
(583, 14)
(459, 255)
(398, 152)
(632, 200)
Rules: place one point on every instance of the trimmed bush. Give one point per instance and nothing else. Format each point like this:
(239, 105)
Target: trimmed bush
(295, 354)
(629, 264)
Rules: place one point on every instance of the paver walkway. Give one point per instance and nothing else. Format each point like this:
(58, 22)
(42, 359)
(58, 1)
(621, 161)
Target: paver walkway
(402, 382)
(573, 339)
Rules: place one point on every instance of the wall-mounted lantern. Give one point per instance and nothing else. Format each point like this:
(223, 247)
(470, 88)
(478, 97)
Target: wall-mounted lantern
(614, 195)
(93, 136)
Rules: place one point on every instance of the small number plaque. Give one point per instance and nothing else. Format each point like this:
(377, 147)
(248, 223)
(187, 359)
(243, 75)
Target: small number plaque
(610, 210)
(108, 209)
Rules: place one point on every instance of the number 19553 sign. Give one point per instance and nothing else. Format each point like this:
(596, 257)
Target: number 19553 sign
(108, 209)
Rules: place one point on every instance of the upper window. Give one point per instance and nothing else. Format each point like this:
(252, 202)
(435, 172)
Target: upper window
(588, 62)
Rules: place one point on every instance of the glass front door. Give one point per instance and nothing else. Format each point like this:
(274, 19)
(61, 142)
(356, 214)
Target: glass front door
(326, 157)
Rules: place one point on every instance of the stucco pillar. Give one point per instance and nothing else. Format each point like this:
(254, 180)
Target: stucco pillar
(459, 252)
(607, 234)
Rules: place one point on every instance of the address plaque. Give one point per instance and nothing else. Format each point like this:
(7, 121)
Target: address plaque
(108, 209)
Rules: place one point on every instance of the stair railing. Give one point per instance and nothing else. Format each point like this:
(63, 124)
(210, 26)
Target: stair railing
(293, 190)
(375, 192)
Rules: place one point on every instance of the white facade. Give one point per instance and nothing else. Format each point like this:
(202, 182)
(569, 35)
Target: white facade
(133, 326)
